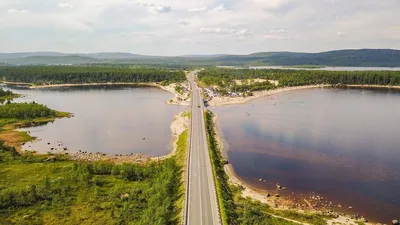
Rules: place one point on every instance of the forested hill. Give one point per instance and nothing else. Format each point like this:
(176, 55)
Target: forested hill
(360, 57)
(89, 74)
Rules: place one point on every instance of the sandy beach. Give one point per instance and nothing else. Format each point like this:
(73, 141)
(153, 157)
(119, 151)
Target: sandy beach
(178, 99)
(178, 126)
(220, 101)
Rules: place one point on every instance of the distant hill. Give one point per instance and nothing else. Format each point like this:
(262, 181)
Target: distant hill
(53, 60)
(112, 55)
(360, 57)
(4, 56)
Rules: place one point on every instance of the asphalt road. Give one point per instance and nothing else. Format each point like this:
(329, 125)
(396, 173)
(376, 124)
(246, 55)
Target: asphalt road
(202, 207)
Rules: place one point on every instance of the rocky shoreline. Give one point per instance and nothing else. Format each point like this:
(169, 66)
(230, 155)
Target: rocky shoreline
(282, 198)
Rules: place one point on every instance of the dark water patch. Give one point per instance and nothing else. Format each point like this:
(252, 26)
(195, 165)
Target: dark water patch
(339, 143)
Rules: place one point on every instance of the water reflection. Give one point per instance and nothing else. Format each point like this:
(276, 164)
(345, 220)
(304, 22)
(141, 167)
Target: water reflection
(108, 119)
(341, 143)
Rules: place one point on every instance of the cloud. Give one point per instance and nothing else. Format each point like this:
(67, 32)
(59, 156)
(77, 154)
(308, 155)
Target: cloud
(156, 8)
(276, 37)
(202, 9)
(183, 23)
(217, 9)
(271, 4)
(277, 31)
(15, 11)
(243, 32)
(64, 5)
(217, 30)
(235, 32)
(193, 26)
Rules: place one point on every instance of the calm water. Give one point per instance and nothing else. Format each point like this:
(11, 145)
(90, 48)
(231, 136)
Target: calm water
(343, 144)
(106, 119)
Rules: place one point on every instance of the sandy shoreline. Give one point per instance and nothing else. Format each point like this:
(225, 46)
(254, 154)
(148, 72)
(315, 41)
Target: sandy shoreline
(178, 99)
(220, 101)
(179, 124)
(268, 196)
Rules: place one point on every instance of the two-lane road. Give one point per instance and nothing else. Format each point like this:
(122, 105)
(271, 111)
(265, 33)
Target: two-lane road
(202, 207)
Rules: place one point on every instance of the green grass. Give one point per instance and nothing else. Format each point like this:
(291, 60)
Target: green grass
(70, 192)
(224, 193)
(187, 114)
(311, 218)
(180, 157)
(9, 97)
(15, 138)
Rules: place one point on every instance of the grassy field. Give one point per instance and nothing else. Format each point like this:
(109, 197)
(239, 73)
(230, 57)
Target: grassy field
(50, 189)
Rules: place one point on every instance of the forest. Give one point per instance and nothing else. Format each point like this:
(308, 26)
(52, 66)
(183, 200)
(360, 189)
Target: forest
(7, 95)
(4, 93)
(35, 190)
(25, 111)
(90, 74)
(225, 78)
(353, 57)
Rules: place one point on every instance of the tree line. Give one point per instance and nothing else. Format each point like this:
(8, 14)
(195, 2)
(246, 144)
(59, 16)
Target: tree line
(89, 74)
(25, 111)
(223, 77)
(115, 194)
(4, 93)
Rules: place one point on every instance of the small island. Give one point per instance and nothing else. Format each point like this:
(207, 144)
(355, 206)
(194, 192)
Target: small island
(7, 95)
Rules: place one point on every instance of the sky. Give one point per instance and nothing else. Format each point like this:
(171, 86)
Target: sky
(180, 27)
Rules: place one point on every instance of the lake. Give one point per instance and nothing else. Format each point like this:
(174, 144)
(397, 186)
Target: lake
(107, 119)
(339, 143)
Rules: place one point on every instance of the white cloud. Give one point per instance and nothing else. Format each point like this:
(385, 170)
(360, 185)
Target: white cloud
(276, 37)
(64, 5)
(277, 31)
(194, 26)
(217, 30)
(243, 32)
(157, 8)
(202, 9)
(183, 23)
(14, 11)
(234, 32)
(218, 9)
(271, 4)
